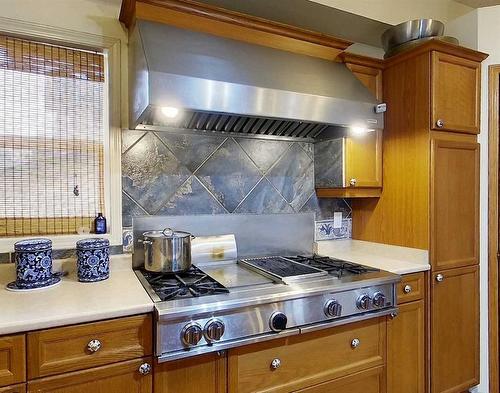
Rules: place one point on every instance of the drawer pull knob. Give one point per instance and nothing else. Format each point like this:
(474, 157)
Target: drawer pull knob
(440, 123)
(355, 343)
(439, 278)
(144, 369)
(353, 182)
(275, 364)
(407, 288)
(394, 314)
(94, 345)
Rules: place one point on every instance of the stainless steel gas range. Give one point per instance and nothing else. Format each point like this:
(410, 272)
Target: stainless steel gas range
(223, 304)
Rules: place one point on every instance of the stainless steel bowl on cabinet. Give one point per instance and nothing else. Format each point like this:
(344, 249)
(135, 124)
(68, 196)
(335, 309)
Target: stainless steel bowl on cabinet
(411, 30)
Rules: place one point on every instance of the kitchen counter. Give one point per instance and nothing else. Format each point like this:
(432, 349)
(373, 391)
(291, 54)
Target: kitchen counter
(395, 259)
(71, 301)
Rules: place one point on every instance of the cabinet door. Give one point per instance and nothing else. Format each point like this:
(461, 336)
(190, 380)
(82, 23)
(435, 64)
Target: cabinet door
(454, 204)
(117, 378)
(189, 375)
(455, 330)
(405, 349)
(364, 160)
(369, 381)
(12, 360)
(455, 93)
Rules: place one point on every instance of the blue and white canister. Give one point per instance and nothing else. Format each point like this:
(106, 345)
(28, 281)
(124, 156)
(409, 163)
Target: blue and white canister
(92, 259)
(33, 259)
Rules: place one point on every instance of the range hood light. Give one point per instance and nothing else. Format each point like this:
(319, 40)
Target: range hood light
(359, 130)
(170, 111)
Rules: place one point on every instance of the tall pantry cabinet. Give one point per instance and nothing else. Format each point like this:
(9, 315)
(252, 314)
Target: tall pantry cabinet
(430, 198)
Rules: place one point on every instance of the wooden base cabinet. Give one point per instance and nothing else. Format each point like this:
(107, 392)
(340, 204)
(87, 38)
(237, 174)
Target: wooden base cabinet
(199, 374)
(405, 349)
(21, 388)
(123, 377)
(455, 330)
(12, 360)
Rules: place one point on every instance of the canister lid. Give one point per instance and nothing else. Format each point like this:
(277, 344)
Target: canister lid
(92, 243)
(33, 245)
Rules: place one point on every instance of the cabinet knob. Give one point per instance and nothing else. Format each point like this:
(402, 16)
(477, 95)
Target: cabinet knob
(144, 369)
(440, 123)
(353, 182)
(275, 364)
(355, 343)
(439, 278)
(407, 288)
(94, 345)
(394, 314)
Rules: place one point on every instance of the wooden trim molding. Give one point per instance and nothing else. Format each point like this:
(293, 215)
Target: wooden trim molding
(355, 192)
(218, 21)
(493, 219)
(361, 60)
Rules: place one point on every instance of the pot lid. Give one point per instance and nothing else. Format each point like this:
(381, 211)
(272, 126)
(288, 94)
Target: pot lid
(166, 233)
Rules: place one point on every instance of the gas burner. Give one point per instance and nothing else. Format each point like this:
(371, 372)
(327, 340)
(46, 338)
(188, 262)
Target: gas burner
(193, 283)
(333, 266)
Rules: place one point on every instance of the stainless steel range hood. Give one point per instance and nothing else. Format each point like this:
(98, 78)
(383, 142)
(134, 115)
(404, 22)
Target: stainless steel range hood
(223, 85)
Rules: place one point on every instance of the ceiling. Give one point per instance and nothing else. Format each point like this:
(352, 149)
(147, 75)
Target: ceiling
(479, 3)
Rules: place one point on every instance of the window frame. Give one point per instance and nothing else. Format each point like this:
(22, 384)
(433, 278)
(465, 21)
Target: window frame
(112, 122)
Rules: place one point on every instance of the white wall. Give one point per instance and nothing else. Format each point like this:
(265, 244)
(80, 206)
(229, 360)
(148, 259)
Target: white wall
(397, 11)
(480, 30)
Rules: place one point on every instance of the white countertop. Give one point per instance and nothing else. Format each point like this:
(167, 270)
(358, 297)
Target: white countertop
(71, 301)
(395, 259)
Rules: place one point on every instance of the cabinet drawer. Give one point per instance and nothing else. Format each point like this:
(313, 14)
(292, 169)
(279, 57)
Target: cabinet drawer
(307, 359)
(123, 377)
(21, 388)
(60, 350)
(368, 381)
(411, 288)
(12, 360)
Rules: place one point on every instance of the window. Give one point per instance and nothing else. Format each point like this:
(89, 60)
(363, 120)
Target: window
(51, 138)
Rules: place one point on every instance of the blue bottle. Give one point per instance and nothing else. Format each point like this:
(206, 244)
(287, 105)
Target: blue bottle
(100, 224)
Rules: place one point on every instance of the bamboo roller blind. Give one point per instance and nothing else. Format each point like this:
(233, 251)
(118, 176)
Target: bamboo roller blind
(51, 138)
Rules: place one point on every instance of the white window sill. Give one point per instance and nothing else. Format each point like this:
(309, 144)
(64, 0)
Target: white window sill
(59, 242)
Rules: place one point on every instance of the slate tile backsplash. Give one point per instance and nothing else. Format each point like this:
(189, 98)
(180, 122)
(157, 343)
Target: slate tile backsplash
(167, 173)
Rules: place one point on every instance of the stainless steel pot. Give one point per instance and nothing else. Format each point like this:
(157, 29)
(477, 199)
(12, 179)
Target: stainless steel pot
(167, 251)
(411, 30)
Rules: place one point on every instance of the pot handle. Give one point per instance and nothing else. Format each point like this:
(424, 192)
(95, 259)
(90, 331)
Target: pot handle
(166, 232)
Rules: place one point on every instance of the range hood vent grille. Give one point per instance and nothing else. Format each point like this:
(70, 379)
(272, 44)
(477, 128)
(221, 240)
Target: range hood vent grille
(238, 124)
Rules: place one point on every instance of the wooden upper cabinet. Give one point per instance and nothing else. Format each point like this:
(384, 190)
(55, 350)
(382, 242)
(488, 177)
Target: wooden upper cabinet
(189, 375)
(406, 349)
(116, 378)
(364, 160)
(455, 92)
(454, 203)
(455, 330)
(12, 360)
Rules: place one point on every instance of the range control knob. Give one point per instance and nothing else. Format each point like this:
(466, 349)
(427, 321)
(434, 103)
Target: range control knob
(214, 329)
(379, 299)
(278, 321)
(191, 334)
(333, 308)
(363, 302)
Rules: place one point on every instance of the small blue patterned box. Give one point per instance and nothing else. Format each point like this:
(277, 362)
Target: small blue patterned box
(92, 259)
(324, 230)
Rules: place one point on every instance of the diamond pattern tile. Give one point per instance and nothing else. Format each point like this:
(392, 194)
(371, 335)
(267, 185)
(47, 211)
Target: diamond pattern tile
(151, 174)
(263, 153)
(229, 174)
(293, 176)
(191, 150)
(130, 209)
(264, 199)
(129, 137)
(192, 198)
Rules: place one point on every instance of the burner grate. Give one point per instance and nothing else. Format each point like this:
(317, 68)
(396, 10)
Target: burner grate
(333, 266)
(193, 283)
